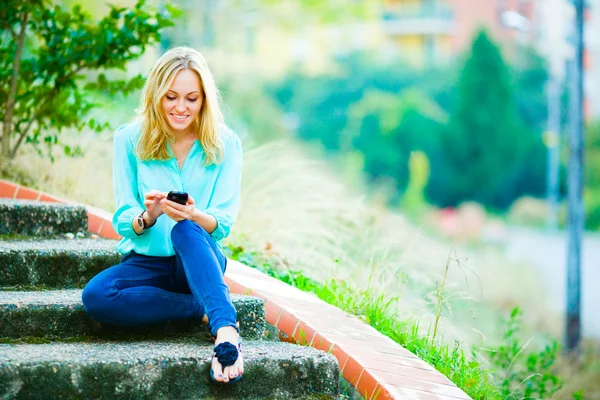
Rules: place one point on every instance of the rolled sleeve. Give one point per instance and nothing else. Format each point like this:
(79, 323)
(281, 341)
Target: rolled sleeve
(127, 198)
(224, 204)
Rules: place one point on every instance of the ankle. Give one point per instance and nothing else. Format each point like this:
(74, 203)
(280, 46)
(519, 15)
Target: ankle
(227, 331)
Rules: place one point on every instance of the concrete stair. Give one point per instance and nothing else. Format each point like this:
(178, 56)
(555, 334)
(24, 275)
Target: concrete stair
(59, 314)
(84, 359)
(162, 370)
(56, 263)
(22, 217)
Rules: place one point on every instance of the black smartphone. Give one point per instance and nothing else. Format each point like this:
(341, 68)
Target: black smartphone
(178, 197)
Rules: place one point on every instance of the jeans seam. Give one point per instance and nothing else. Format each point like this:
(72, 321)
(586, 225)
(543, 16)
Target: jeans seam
(114, 288)
(160, 294)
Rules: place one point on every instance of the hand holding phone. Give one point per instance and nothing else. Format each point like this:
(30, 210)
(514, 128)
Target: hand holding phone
(178, 213)
(178, 197)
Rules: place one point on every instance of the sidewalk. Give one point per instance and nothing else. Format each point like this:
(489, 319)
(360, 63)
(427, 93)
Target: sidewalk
(547, 252)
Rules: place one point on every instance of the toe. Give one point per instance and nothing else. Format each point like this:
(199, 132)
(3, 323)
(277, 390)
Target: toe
(233, 372)
(240, 366)
(217, 370)
(226, 374)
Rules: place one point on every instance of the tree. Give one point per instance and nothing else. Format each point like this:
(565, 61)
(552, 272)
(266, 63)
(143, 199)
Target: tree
(591, 188)
(531, 74)
(489, 154)
(387, 128)
(323, 102)
(339, 11)
(44, 53)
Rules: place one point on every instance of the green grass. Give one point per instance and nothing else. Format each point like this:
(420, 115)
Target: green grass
(513, 372)
(41, 340)
(29, 288)
(381, 314)
(14, 236)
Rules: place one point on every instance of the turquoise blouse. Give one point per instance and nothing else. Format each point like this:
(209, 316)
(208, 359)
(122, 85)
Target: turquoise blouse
(215, 188)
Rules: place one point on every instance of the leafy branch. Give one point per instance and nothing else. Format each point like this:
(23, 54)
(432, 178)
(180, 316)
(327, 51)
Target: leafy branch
(43, 74)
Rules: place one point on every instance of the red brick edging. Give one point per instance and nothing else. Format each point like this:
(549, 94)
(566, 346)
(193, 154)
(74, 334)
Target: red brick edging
(373, 363)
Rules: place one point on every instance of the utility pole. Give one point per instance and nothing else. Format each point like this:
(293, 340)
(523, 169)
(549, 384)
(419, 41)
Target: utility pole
(575, 186)
(552, 140)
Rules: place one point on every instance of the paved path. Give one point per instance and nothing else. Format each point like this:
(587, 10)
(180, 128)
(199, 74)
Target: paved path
(547, 252)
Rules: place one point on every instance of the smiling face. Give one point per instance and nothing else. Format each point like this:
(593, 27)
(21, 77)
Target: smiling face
(183, 101)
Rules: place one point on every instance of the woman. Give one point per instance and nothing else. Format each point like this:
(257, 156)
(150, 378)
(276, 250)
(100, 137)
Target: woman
(173, 265)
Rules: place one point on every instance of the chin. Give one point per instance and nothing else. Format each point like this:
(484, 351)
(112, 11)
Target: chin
(179, 127)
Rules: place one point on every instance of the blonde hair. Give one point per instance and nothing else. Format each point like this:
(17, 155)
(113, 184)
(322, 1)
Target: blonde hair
(156, 130)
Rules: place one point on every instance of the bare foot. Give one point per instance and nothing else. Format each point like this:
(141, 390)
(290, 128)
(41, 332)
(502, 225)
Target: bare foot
(227, 334)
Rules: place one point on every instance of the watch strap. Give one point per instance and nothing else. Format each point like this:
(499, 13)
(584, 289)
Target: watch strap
(140, 220)
(143, 225)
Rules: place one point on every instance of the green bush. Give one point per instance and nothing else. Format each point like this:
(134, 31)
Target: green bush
(481, 135)
(381, 313)
(413, 200)
(528, 211)
(525, 375)
(592, 176)
(516, 373)
(387, 128)
(43, 66)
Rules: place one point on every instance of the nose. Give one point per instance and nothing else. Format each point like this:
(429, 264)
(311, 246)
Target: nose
(180, 106)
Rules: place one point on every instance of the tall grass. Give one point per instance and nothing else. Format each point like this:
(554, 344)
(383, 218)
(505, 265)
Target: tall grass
(297, 209)
(87, 179)
(381, 312)
(514, 375)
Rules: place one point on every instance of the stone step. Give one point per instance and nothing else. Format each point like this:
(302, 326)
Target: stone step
(36, 218)
(59, 314)
(163, 370)
(57, 263)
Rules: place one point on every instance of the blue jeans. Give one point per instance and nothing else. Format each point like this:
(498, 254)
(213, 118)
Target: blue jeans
(145, 290)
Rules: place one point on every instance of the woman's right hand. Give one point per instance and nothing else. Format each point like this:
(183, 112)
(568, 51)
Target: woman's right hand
(152, 203)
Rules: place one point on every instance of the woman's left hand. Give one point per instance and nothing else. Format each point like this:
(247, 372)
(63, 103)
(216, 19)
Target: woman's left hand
(178, 212)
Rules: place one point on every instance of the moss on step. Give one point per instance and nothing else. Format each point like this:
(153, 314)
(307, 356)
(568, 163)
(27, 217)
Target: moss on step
(13, 236)
(26, 288)
(48, 340)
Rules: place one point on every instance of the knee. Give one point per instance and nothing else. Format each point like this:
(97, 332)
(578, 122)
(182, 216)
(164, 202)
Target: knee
(96, 301)
(186, 229)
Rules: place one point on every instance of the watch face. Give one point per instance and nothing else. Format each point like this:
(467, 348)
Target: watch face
(140, 221)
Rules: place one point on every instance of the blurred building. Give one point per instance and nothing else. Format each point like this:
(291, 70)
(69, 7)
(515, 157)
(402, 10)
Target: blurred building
(554, 41)
(268, 38)
(248, 36)
(435, 31)
(426, 32)
(421, 31)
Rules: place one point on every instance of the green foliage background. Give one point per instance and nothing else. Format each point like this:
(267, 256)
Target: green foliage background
(47, 53)
(482, 135)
